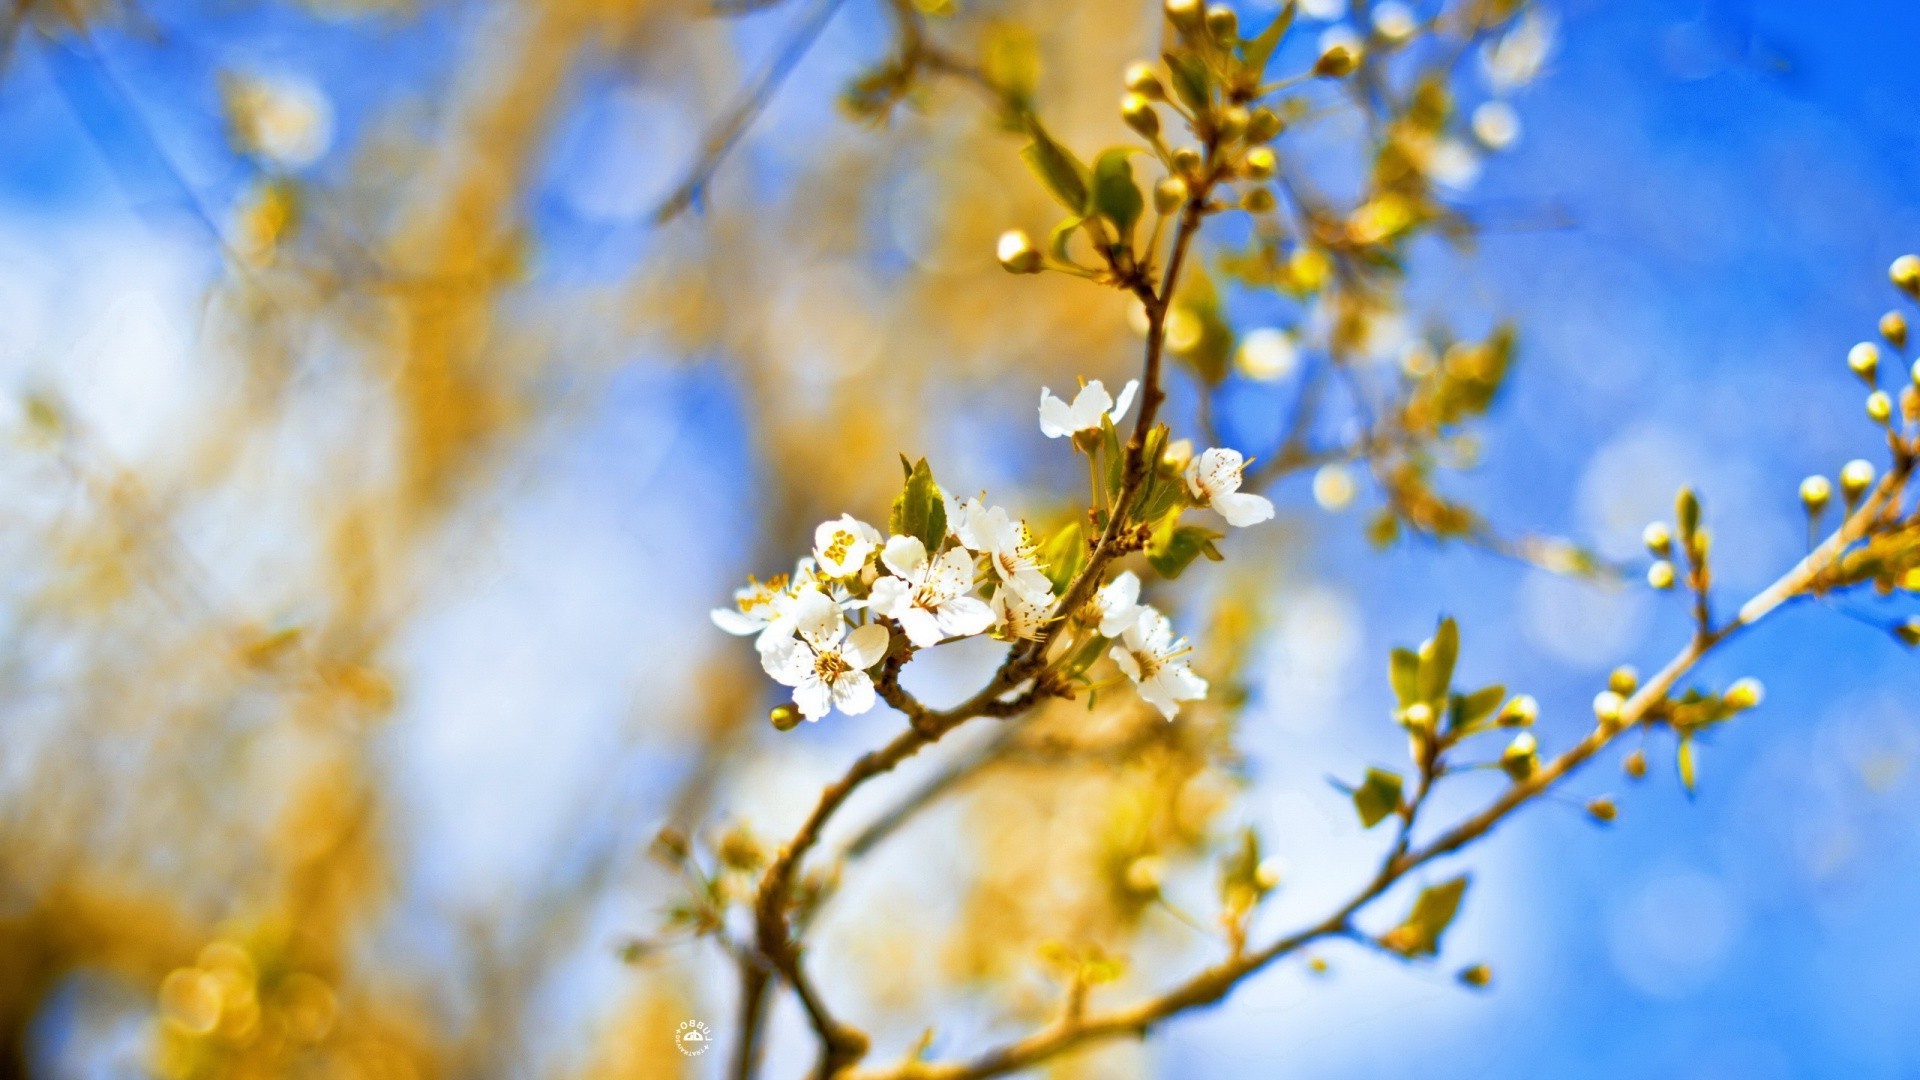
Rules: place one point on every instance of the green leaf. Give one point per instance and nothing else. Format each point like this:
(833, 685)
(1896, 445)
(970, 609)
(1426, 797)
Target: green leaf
(1064, 553)
(1684, 759)
(1257, 51)
(1057, 168)
(1686, 513)
(1062, 234)
(1173, 549)
(1403, 670)
(919, 510)
(1189, 80)
(1377, 797)
(1433, 912)
(1472, 709)
(1115, 196)
(1436, 667)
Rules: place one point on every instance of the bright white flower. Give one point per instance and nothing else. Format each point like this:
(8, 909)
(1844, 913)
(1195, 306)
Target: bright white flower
(1008, 547)
(1496, 125)
(843, 546)
(1018, 618)
(1333, 487)
(1267, 354)
(1517, 58)
(766, 607)
(1214, 480)
(1058, 418)
(1156, 661)
(826, 665)
(931, 599)
(1117, 605)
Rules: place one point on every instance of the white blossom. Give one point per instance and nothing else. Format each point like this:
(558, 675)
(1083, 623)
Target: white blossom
(1008, 546)
(1156, 661)
(1518, 56)
(844, 545)
(1017, 618)
(1214, 480)
(1116, 605)
(1058, 418)
(766, 607)
(931, 598)
(826, 665)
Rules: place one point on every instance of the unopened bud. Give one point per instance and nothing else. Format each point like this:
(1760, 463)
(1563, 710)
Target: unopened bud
(1267, 875)
(1905, 273)
(1231, 122)
(673, 842)
(1257, 201)
(1142, 79)
(1658, 538)
(1337, 62)
(1815, 493)
(1855, 478)
(1145, 873)
(1893, 327)
(1660, 575)
(1262, 125)
(1183, 12)
(1522, 711)
(1477, 976)
(1223, 24)
(1178, 454)
(1864, 360)
(1521, 757)
(786, 717)
(1623, 680)
(1603, 811)
(1879, 407)
(1908, 632)
(1744, 694)
(1635, 764)
(1186, 161)
(1418, 717)
(1169, 194)
(1686, 513)
(1139, 114)
(1017, 255)
(1259, 164)
(1609, 708)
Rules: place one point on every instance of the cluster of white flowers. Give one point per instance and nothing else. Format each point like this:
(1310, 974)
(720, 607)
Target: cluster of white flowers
(824, 628)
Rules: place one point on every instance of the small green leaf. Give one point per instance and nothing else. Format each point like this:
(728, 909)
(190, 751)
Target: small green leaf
(1115, 195)
(1436, 668)
(1403, 670)
(1377, 797)
(1257, 51)
(1472, 709)
(1189, 80)
(1062, 234)
(1057, 168)
(919, 510)
(1686, 513)
(1433, 912)
(1174, 548)
(1064, 553)
(1684, 759)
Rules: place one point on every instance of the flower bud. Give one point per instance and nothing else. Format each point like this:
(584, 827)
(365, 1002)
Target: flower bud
(1658, 538)
(1417, 716)
(1017, 253)
(1905, 273)
(1603, 811)
(1223, 24)
(1815, 493)
(784, 717)
(1864, 360)
(1521, 757)
(1855, 478)
(1522, 711)
(1660, 575)
(1337, 62)
(673, 842)
(1169, 194)
(1262, 125)
(1142, 79)
(1267, 875)
(1257, 201)
(1145, 873)
(1477, 976)
(1231, 122)
(1138, 112)
(1259, 163)
(1183, 12)
(1879, 407)
(1623, 680)
(1744, 694)
(1686, 513)
(1893, 327)
(1908, 632)
(1609, 708)
(1178, 454)
(1186, 161)
(1394, 21)
(1635, 764)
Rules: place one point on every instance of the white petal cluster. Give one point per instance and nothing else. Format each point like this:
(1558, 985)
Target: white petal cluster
(1090, 405)
(931, 598)
(826, 665)
(1156, 661)
(1213, 479)
(766, 607)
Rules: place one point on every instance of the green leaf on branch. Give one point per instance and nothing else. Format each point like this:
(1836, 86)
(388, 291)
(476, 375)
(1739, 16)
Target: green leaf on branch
(1403, 670)
(1115, 195)
(1683, 758)
(1377, 797)
(1057, 168)
(1471, 710)
(1189, 80)
(1174, 547)
(1258, 50)
(1064, 553)
(919, 510)
(1432, 913)
(1436, 662)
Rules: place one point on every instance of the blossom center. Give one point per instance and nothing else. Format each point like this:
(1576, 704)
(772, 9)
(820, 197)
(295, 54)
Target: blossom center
(828, 666)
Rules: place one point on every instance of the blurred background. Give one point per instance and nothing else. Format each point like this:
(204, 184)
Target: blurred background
(372, 457)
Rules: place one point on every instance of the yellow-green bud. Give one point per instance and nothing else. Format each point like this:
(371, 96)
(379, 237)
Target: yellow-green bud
(1879, 407)
(1337, 62)
(1257, 201)
(1603, 810)
(1223, 24)
(1864, 360)
(1186, 160)
(1855, 478)
(1744, 694)
(1477, 976)
(1017, 253)
(1905, 273)
(1231, 122)
(1259, 163)
(1183, 12)
(1522, 711)
(1145, 873)
(1815, 493)
(1623, 680)
(1142, 79)
(1908, 632)
(1521, 757)
(1178, 455)
(1658, 538)
(784, 717)
(1893, 327)
(1660, 575)
(1139, 114)
(1262, 125)
(1635, 764)
(1169, 194)
(1609, 708)
(1418, 716)
(1267, 875)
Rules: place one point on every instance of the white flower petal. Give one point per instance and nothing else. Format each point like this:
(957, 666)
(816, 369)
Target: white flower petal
(1183, 683)
(1125, 401)
(921, 627)
(1242, 509)
(965, 616)
(818, 620)
(1156, 694)
(889, 596)
(904, 555)
(814, 698)
(1126, 662)
(1089, 405)
(788, 663)
(733, 622)
(1056, 417)
(853, 692)
(865, 646)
